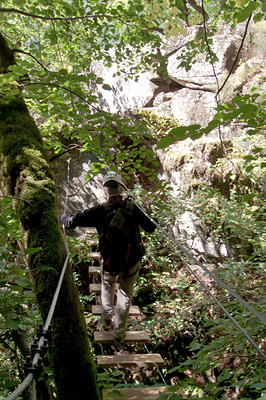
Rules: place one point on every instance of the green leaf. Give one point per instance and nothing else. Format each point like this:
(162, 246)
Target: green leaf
(249, 196)
(258, 17)
(105, 86)
(23, 281)
(249, 157)
(162, 396)
(224, 376)
(99, 80)
(211, 126)
(210, 387)
(194, 346)
(249, 168)
(115, 394)
(165, 142)
(32, 250)
(16, 288)
(180, 133)
(13, 323)
(256, 150)
(260, 385)
(43, 268)
(172, 370)
(244, 13)
(11, 384)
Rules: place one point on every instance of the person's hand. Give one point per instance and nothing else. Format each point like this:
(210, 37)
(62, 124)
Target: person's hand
(63, 219)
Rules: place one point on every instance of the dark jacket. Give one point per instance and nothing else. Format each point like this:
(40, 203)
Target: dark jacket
(94, 216)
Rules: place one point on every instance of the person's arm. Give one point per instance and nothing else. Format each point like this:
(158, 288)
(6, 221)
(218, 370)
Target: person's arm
(144, 221)
(88, 218)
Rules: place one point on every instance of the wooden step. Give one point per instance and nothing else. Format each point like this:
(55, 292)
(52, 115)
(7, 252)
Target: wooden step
(131, 337)
(130, 360)
(94, 255)
(138, 393)
(96, 287)
(97, 310)
(94, 270)
(91, 231)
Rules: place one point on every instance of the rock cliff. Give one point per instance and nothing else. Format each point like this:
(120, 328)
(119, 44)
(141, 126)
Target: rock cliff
(189, 97)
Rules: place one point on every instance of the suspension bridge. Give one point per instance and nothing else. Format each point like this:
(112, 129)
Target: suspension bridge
(101, 338)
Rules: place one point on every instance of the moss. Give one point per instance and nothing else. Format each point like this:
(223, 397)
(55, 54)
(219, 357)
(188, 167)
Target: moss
(17, 132)
(27, 174)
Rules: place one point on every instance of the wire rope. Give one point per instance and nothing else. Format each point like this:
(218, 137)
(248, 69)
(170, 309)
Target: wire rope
(29, 378)
(214, 277)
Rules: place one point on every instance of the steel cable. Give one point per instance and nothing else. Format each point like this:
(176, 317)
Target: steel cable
(29, 378)
(214, 277)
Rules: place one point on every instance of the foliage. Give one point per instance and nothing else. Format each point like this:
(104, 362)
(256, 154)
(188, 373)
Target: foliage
(55, 74)
(158, 125)
(212, 358)
(17, 301)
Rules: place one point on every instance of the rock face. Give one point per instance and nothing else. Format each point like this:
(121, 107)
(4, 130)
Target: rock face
(74, 191)
(190, 98)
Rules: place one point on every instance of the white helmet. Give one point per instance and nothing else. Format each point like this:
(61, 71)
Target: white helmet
(112, 176)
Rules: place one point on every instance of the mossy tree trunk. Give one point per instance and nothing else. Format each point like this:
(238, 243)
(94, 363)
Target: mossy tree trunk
(26, 174)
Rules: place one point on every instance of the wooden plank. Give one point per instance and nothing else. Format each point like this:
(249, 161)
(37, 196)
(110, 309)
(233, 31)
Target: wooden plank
(97, 309)
(130, 360)
(94, 270)
(137, 393)
(131, 337)
(91, 231)
(94, 255)
(96, 287)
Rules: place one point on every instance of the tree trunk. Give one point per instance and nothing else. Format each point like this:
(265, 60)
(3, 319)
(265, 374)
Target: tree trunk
(26, 174)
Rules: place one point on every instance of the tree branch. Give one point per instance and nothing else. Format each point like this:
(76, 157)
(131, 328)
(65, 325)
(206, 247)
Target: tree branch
(16, 198)
(30, 55)
(208, 45)
(42, 17)
(6, 55)
(200, 10)
(61, 87)
(26, 14)
(237, 56)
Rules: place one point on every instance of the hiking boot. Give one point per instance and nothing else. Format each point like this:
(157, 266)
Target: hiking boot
(107, 325)
(118, 340)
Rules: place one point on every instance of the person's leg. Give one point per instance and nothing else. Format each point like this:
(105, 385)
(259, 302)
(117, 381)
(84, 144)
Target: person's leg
(123, 300)
(108, 294)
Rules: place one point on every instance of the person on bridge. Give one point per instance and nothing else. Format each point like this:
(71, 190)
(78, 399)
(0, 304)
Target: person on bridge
(117, 222)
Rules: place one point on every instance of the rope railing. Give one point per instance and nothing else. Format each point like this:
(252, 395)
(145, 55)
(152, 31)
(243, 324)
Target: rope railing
(45, 332)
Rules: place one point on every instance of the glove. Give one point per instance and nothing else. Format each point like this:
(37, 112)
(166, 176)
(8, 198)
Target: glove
(63, 218)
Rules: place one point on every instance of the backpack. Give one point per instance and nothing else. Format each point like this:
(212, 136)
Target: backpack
(119, 239)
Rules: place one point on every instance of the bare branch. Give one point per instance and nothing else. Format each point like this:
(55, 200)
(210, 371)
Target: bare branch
(200, 10)
(26, 14)
(30, 55)
(42, 17)
(237, 56)
(63, 88)
(16, 198)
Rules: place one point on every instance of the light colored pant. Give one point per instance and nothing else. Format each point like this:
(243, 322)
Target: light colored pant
(123, 299)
